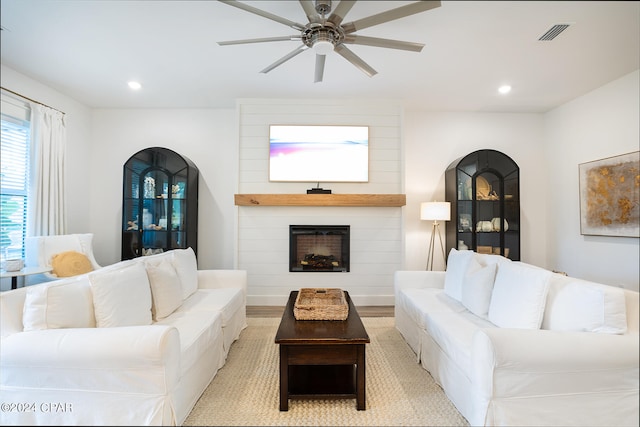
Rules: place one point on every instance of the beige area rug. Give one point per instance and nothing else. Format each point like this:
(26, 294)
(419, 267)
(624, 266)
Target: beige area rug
(399, 391)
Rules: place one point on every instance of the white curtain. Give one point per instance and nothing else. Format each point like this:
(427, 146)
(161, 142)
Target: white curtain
(47, 201)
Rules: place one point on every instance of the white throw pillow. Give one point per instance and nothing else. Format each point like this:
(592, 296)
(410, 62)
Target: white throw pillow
(457, 264)
(186, 265)
(121, 296)
(64, 303)
(588, 307)
(166, 290)
(487, 259)
(477, 287)
(519, 296)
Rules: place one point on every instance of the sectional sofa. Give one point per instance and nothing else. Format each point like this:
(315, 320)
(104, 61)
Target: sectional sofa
(134, 343)
(513, 344)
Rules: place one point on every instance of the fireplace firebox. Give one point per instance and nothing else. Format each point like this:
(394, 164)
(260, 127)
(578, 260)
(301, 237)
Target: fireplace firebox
(314, 248)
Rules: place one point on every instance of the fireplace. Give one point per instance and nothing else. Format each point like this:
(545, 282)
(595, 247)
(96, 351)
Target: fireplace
(315, 248)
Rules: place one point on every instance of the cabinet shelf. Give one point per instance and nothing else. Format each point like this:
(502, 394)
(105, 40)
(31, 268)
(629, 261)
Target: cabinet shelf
(357, 200)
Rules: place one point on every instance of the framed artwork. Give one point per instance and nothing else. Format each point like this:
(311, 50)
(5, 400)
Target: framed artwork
(609, 196)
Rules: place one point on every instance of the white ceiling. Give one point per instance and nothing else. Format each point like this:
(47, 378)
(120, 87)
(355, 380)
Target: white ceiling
(90, 49)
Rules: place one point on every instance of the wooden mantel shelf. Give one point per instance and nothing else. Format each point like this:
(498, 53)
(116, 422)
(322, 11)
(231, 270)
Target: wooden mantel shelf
(361, 200)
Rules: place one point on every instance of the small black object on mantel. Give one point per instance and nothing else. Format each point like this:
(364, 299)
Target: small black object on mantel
(318, 190)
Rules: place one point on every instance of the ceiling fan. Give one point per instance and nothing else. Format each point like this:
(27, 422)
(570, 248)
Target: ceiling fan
(326, 34)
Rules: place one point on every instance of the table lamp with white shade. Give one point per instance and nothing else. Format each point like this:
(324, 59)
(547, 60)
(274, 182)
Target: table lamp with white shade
(435, 211)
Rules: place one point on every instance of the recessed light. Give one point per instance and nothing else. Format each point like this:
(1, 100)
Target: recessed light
(504, 89)
(134, 85)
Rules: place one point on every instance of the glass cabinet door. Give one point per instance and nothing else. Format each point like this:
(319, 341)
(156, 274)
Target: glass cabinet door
(154, 211)
(179, 209)
(487, 213)
(464, 217)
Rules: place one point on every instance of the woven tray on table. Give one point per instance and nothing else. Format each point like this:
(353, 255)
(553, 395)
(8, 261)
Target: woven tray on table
(321, 304)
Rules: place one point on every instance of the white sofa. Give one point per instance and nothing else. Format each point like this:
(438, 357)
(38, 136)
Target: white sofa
(133, 343)
(513, 344)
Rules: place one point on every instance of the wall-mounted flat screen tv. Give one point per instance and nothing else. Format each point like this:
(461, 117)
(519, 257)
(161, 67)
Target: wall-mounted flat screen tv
(300, 153)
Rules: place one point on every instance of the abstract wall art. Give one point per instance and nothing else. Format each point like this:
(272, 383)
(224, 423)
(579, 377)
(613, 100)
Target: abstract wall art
(610, 196)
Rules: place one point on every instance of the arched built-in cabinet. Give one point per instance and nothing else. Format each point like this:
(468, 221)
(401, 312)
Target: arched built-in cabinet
(160, 203)
(483, 188)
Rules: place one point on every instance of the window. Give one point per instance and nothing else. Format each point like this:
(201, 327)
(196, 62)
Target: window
(14, 179)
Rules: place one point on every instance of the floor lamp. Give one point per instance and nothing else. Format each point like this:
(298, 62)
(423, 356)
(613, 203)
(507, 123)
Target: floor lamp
(435, 211)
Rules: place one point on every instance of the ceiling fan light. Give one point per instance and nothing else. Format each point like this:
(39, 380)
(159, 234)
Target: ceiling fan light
(323, 47)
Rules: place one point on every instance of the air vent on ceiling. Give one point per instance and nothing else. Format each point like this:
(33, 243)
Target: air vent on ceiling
(553, 32)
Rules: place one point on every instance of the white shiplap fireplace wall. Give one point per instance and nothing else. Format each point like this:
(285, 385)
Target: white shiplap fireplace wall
(377, 238)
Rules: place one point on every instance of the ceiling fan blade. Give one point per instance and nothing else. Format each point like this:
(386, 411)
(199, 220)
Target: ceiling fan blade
(347, 54)
(319, 73)
(341, 10)
(310, 10)
(263, 13)
(390, 15)
(378, 42)
(285, 58)
(261, 40)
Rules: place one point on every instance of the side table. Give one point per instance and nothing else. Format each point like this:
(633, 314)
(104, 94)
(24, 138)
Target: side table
(26, 271)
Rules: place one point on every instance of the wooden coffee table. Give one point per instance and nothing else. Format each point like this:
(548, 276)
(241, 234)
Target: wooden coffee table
(322, 358)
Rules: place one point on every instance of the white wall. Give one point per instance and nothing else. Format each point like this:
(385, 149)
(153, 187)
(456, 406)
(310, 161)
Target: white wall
(434, 140)
(206, 137)
(602, 123)
(548, 148)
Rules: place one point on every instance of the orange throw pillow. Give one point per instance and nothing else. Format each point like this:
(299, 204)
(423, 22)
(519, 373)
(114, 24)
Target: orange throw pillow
(70, 263)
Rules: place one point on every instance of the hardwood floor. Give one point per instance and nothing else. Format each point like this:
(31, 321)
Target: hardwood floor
(363, 311)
